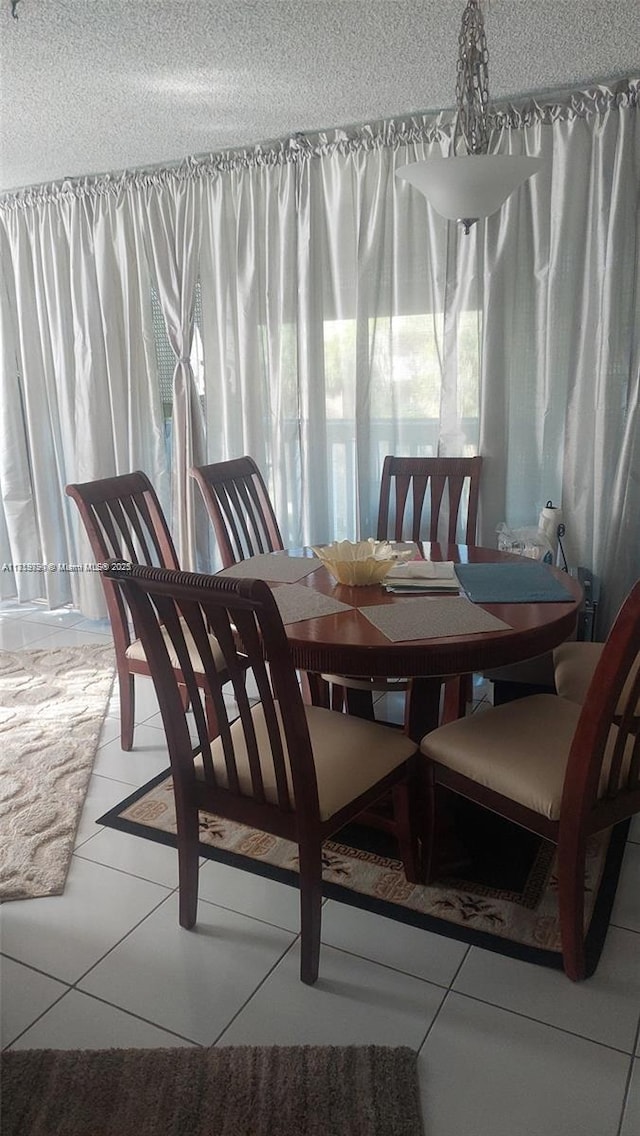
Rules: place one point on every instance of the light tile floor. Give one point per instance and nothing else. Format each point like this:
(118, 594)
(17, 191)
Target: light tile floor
(505, 1047)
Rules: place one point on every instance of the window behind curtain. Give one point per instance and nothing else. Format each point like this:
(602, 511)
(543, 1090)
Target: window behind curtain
(405, 399)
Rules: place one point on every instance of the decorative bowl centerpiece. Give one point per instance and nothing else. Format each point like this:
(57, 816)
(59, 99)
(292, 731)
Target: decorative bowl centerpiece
(360, 562)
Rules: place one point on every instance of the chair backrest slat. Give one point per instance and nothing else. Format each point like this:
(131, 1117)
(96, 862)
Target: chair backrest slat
(235, 518)
(224, 636)
(151, 615)
(616, 777)
(634, 765)
(446, 479)
(136, 511)
(243, 500)
(248, 633)
(130, 532)
(438, 483)
(260, 754)
(237, 500)
(628, 728)
(110, 531)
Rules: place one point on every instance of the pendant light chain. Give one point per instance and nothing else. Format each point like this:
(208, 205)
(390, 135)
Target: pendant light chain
(472, 83)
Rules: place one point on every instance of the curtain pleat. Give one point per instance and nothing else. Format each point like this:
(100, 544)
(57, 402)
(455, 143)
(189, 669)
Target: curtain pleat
(171, 226)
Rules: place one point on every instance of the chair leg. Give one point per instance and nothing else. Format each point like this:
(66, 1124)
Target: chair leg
(456, 695)
(359, 703)
(408, 814)
(315, 691)
(188, 864)
(213, 728)
(571, 868)
(336, 698)
(310, 859)
(429, 825)
(127, 707)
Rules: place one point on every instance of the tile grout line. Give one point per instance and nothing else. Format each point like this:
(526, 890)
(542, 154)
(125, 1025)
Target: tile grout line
(448, 991)
(540, 1022)
(165, 898)
(625, 1096)
(255, 991)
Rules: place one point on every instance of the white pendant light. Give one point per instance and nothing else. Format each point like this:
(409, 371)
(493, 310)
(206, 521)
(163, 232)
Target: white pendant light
(465, 189)
(475, 185)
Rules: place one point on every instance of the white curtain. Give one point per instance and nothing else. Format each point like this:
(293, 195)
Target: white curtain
(170, 221)
(348, 320)
(79, 397)
(561, 349)
(342, 319)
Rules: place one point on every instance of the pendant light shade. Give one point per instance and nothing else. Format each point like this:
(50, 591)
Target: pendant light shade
(465, 189)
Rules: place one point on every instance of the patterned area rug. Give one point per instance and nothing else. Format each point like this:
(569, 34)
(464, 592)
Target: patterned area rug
(503, 896)
(52, 706)
(231, 1091)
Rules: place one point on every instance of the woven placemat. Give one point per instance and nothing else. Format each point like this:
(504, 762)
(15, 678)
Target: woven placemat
(296, 603)
(274, 567)
(431, 617)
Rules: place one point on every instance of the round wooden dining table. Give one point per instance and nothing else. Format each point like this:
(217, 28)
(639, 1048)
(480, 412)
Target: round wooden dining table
(346, 643)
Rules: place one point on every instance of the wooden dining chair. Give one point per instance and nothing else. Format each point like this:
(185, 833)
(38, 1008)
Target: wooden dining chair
(124, 520)
(562, 770)
(295, 771)
(574, 665)
(244, 521)
(240, 509)
(421, 499)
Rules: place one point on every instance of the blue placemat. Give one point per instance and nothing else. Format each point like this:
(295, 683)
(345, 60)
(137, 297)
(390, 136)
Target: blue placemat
(528, 581)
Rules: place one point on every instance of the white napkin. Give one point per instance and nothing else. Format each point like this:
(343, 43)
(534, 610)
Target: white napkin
(423, 570)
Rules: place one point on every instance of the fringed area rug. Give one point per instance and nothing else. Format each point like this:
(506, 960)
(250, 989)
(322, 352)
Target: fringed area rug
(233, 1091)
(52, 706)
(503, 896)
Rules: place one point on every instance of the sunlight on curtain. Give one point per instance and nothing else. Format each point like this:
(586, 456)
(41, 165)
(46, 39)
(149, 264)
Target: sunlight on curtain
(325, 341)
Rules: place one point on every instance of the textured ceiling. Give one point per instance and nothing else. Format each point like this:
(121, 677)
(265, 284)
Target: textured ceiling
(90, 86)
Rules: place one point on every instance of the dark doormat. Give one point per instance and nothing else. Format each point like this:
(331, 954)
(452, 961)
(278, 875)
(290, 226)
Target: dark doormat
(231, 1091)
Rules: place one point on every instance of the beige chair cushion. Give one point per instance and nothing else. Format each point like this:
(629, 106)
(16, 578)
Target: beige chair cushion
(135, 650)
(575, 664)
(519, 749)
(350, 755)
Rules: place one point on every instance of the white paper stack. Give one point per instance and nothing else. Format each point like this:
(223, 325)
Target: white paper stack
(422, 576)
